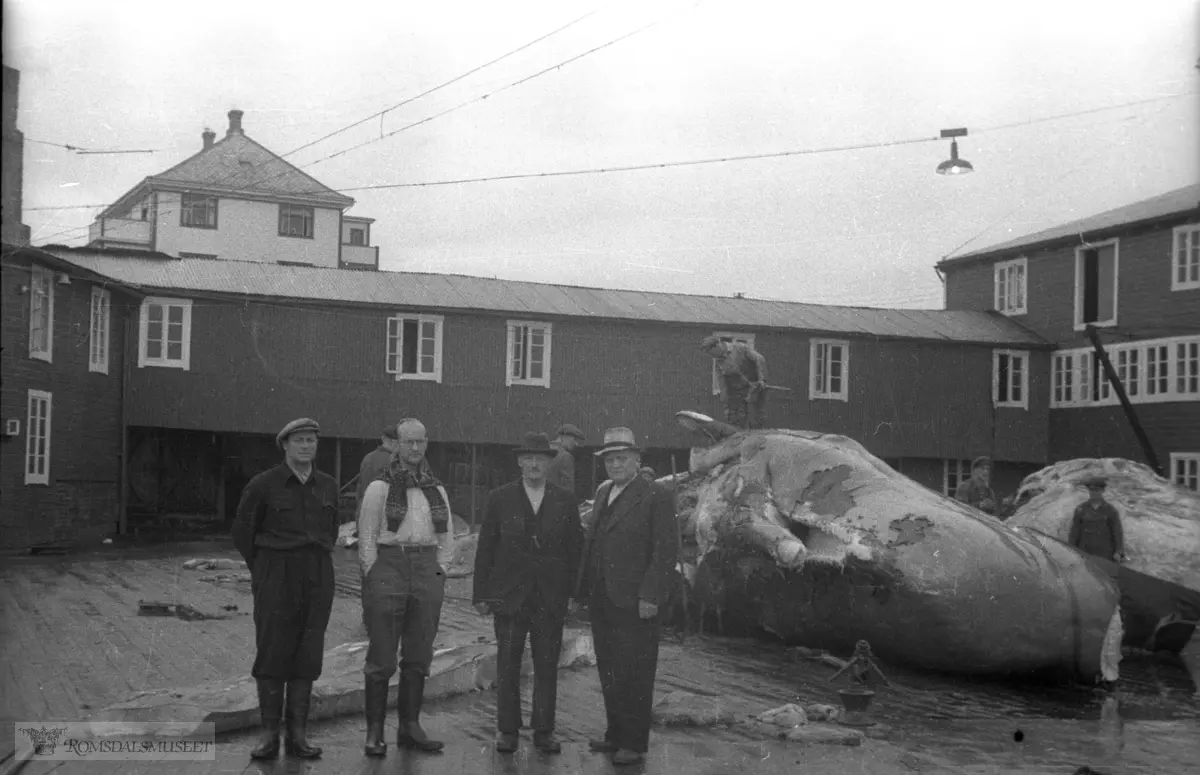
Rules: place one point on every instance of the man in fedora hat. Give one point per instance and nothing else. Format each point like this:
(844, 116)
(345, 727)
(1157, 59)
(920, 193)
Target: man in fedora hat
(625, 574)
(525, 565)
(286, 526)
(977, 490)
(404, 530)
(561, 470)
(1096, 526)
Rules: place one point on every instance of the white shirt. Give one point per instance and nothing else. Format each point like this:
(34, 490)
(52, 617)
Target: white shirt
(417, 527)
(535, 496)
(616, 490)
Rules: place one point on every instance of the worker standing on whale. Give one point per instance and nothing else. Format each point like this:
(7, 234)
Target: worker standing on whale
(743, 381)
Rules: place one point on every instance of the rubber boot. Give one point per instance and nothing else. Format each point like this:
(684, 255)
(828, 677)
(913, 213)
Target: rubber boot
(299, 696)
(270, 709)
(375, 709)
(410, 734)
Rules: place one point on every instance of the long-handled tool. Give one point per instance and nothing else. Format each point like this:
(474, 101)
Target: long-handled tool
(687, 625)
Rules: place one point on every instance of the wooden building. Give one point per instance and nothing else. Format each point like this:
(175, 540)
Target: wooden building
(63, 398)
(481, 361)
(1134, 274)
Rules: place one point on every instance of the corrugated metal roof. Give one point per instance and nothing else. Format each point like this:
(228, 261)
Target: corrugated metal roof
(1176, 202)
(458, 292)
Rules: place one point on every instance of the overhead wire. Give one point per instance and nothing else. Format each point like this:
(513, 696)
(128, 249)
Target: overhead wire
(92, 151)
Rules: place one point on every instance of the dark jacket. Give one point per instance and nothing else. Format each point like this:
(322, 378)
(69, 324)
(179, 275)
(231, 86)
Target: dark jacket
(1097, 530)
(518, 549)
(373, 464)
(278, 512)
(634, 548)
(561, 471)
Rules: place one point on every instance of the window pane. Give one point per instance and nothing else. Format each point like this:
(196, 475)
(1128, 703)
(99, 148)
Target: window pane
(174, 351)
(409, 352)
(155, 312)
(1106, 274)
(175, 315)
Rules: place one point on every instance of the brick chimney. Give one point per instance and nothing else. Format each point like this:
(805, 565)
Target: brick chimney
(208, 136)
(235, 123)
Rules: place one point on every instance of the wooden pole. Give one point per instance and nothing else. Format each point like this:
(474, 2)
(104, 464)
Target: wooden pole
(123, 476)
(1130, 414)
(687, 624)
(220, 440)
(337, 460)
(473, 485)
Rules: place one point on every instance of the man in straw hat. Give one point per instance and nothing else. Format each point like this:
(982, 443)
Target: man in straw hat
(525, 567)
(625, 574)
(403, 532)
(1096, 526)
(286, 526)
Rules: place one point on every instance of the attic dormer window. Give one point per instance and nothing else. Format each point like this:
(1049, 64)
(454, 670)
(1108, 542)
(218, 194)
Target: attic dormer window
(295, 221)
(198, 211)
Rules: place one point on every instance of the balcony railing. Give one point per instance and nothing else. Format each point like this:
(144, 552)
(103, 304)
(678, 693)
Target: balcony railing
(119, 230)
(361, 255)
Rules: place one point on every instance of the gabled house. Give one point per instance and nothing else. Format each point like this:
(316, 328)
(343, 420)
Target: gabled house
(1133, 274)
(235, 199)
(66, 370)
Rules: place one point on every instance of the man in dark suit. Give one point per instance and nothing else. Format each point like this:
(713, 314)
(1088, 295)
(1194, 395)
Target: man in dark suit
(629, 555)
(526, 564)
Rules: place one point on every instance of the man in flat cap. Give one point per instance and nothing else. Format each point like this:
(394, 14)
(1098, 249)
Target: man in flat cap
(525, 568)
(1096, 526)
(625, 574)
(404, 535)
(561, 471)
(743, 381)
(375, 463)
(286, 526)
(977, 490)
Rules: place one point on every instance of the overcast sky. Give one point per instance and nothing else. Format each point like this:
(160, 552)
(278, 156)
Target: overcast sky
(711, 79)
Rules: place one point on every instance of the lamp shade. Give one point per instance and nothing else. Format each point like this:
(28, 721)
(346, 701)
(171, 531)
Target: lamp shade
(954, 165)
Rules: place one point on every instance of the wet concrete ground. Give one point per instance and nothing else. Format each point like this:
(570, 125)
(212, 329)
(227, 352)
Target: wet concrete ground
(929, 723)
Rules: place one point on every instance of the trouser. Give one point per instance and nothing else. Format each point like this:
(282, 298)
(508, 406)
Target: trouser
(545, 633)
(402, 604)
(627, 659)
(746, 414)
(293, 596)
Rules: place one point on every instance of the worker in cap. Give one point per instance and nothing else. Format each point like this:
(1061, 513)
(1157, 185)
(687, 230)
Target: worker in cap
(285, 528)
(742, 383)
(977, 490)
(375, 462)
(626, 574)
(1096, 527)
(561, 472)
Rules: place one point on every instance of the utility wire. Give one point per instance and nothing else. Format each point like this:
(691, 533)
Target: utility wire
(518, 82)
(427, 92)
(81, 150)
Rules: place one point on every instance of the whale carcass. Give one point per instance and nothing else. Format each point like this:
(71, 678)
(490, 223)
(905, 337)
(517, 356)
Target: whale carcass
(814, 539)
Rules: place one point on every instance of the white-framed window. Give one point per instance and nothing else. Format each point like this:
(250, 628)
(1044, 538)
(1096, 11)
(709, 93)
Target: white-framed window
(528, 360)
(1185, 469)
(98, 333)
(954, 473)
(1185, 257)
(41, 314)
(728, 337)
(1096, 271)
(165, 333)
(1010, 378)
(296, 221)
(1011, 286)
(198, 211)
(829, 368)
(414, 347)
(1151, 371)
(37, 438)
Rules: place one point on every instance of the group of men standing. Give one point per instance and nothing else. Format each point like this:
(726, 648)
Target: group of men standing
(535, 561)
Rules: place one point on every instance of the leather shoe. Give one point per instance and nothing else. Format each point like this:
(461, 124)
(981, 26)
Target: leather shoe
(506, 743)
(626, 756)
(546, 743)
(603, 746)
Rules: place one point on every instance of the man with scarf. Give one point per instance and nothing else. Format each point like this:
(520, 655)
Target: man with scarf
(403, 533)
